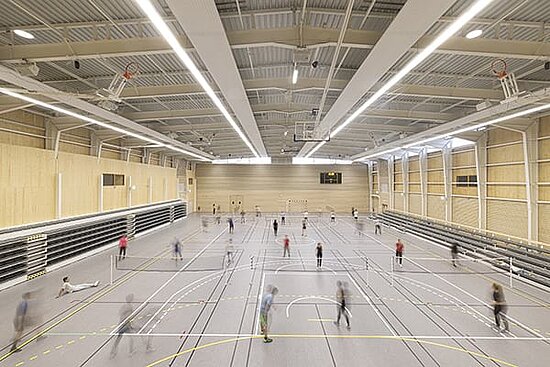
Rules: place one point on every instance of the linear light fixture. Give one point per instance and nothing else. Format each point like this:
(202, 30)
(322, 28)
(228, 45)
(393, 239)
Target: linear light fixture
(258, 160)
(475, 127)
(24, 34)
(451, 30)
(148, 9)
(326, 161)
(97, 122)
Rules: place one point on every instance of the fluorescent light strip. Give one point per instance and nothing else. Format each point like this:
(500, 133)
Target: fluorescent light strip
(326, 161)
(257, 160)
(465, 129)
(295, 76)
(96, 122)
(151, 12)
(444, 36)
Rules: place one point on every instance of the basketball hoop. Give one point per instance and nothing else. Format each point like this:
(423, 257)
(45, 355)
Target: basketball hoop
(499, 68)
(130, 70)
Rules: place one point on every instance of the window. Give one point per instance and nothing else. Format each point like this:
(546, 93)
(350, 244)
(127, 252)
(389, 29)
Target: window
(466, 181)
(331, 177)
(190, 181)
(112, 179)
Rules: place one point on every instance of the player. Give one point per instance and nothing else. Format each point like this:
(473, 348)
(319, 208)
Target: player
(304, 227)
(70, 288)
(286, 246)
(454, 254)
(499, 306)
(20, 320)
(176, 249)
(283, 217)
(231, 225)
(265, 308)
(356, 214)
(122, 245)
(126, 328)
(275, 227)
(319, 254)
(204, 222)
(332, 217)
(243, 219)
(377, 227)
(399, 248)
(342, 304)
(306, 214)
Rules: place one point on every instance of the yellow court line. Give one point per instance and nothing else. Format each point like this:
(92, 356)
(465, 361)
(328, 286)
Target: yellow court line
(93, 299)
(388, 337)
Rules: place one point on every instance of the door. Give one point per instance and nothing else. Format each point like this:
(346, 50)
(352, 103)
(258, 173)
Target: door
(236, 203)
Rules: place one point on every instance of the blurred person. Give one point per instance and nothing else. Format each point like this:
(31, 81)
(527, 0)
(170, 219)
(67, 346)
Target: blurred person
(306, 214)
(213, 209)
(342, 304)
(332, 217)
(283, 217)
(499, 306)
(265, 308)
(286, 246)
(176, 249)
(70, 288)
(122, 245)
(275, 227)
(304, 227)
(360, 226)
(204, 222)
(377, 227)
(219, 209)
(454, 254)
(243, 214)
(399, 249)
(218, 218)
(231, 225)
(126, 326)
(229, 252)
(352, 211)
(319, 254)
(258, 211)
(21, 320)
(356, 214)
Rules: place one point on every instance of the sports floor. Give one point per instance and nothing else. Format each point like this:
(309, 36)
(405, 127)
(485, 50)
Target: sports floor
(203, 311)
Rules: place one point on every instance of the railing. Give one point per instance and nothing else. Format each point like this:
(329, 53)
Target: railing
(29, 251)
(527, 261)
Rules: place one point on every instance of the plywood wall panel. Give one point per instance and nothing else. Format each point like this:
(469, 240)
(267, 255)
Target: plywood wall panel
(508, 173)
(415, 204)
(507, 153)
(463, 158)
(398, 201)
(500, 136)
(507, 217)
(465, 211)
(544, 219)
(436, 207)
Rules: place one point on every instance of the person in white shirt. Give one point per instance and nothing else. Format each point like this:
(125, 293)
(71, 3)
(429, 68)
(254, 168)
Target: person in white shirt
(70, 288)
(332, 217)
(377, 227)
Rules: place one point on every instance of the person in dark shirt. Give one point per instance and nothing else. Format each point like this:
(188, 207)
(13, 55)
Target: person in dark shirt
(499, 306)
(342, 303)
(454, 254)
(275, 227)
(319, 254)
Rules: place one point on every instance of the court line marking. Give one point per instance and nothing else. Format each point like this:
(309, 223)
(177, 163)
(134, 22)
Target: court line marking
(455, 286)
(386, 337)
(260, 295)
(369, 301)
(313, 297)
(285, 266)
(168, 281)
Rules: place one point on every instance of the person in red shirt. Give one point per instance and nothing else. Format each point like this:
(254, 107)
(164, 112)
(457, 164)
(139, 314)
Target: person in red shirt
(286, 246)
(399, 247)
(122, 244)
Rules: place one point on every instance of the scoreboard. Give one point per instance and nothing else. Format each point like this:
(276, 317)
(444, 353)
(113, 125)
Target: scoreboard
(331, 177)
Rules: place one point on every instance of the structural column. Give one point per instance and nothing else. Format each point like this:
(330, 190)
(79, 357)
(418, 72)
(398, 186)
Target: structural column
(405, 175)
(423, 162)
(391, 178)
(446, 157)
(530, 153)
(481, 171)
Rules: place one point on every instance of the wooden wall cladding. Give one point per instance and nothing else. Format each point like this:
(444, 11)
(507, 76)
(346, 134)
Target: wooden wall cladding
(507, 217)
(465, 211)
(271, 186)
(436, 207)
(415, 204)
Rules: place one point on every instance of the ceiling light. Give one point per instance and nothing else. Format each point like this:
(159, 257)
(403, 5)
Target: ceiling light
(97, 122)
(24, 34)
(451, 30)
(295, 76)
(474, 34)
(301, 160)
(151, 12)
(256, 160)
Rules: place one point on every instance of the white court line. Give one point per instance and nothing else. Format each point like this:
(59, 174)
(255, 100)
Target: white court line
(347, 336)
(142, 305)
(462, 290)
(367, 298)
(314, 297)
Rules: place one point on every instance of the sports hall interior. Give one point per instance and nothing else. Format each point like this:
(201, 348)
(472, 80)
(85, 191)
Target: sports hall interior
(218, 136)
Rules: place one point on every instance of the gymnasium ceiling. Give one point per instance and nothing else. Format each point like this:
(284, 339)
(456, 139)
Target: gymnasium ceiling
(266, 39)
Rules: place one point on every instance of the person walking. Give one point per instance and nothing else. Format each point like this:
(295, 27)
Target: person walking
(377, 227)
(243, 214)
(306, 214)
(176, 249)
(454, 254)
(122, 245)
(332, 217)
(20, 320)
(342, 306)
(70, 288)
(126, 326)
(231, 225)
(213, 209)
(286, 246)
(304, 227)
(356, 214)
(265, 308)
(283, 217)
(275, 227)
(499, 307)
(319, 254)
(399, 248)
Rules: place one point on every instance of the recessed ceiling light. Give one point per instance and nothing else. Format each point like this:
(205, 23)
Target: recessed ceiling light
(474, 34)
(24, 34)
